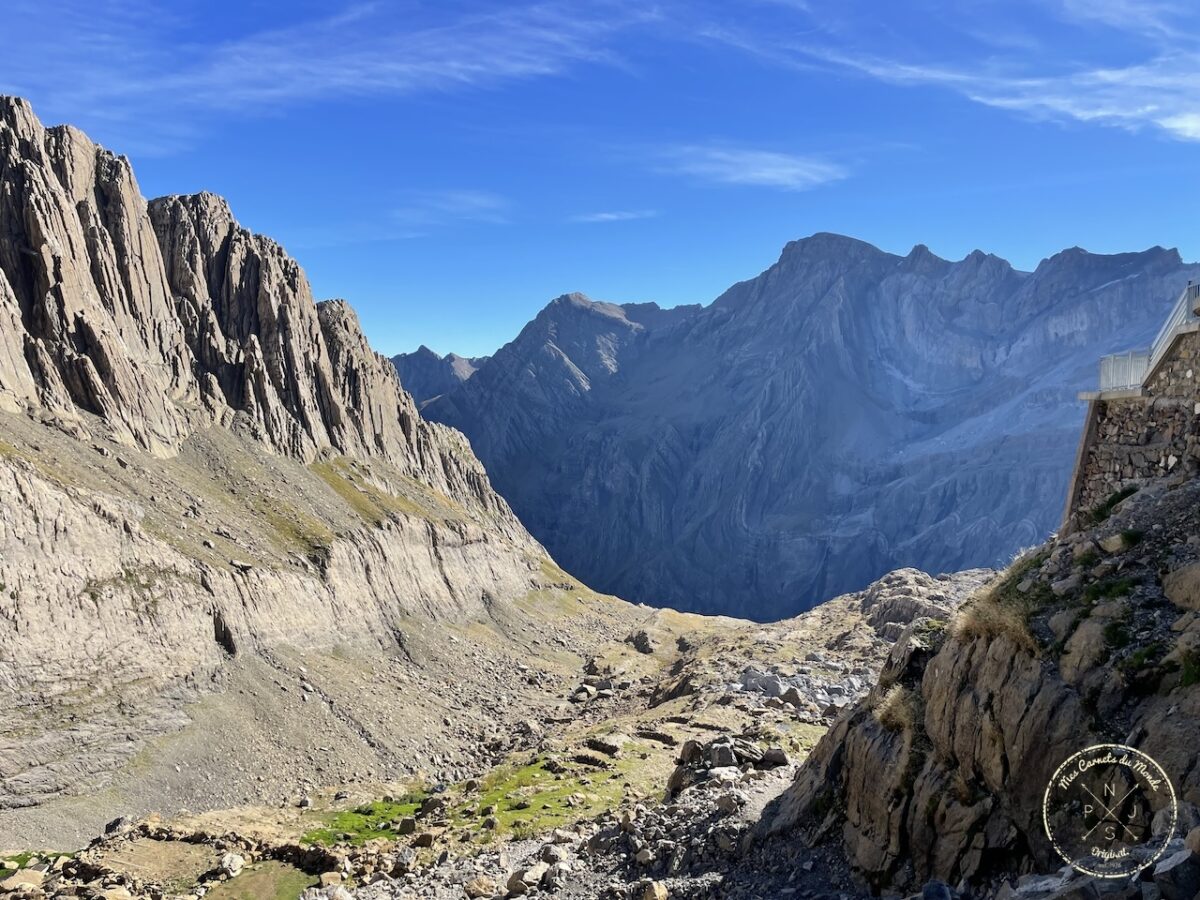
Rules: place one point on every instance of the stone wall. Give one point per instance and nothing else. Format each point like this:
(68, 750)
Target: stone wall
(1130, 439)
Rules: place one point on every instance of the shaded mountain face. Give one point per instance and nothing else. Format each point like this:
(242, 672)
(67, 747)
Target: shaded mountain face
(426, 375)
(845, 413)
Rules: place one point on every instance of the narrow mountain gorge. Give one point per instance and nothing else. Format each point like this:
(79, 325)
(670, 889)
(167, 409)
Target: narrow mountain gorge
(845, 413)
(210, 485)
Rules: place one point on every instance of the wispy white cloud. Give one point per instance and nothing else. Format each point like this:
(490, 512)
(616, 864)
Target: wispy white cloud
(358, 52)
(747, 166)
(113, 62)
(1153, 17)
(1161, 93)
(623, 215)
(1159, 90)
(430, 209)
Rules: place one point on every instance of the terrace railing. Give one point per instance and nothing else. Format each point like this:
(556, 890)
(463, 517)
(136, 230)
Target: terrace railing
(1123, 371)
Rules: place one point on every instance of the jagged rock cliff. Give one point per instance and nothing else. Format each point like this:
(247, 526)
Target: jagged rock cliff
(426, 375)
(1091, 638)
(202, 474)
(843, 414)
(163, 318)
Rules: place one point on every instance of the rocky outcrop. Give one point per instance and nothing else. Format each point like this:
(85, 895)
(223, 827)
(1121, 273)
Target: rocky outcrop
(148, 322)
(82, 286)
(426, 375)
(846, 413)
(902, 597)
(941, 771)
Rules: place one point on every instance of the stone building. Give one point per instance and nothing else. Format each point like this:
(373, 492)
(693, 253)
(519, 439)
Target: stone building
(1144, 421)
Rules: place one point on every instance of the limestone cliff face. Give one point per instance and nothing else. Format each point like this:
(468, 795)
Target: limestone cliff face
(845, 413)
(160, 319)
(197, 463)
(1093, 638)
(90, 323)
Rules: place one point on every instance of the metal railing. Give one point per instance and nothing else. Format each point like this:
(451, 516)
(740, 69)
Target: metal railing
(1184, 312)
(1121, 371)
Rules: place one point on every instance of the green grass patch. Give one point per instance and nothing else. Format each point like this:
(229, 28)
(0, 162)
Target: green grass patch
(1142, 657)
(368, 501)
(1141, 668)
(1101, 512)
(22, 859)
(529, 799)
(37, 460)
(269, 880)
(1132, 536)
(1116, 635)
(364, 823)
(1190, 669)
(293, 529)
(525, 796)
(1109, 589)
(374, 504)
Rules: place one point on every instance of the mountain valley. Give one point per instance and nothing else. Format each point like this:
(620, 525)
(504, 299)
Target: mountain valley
(268, 630)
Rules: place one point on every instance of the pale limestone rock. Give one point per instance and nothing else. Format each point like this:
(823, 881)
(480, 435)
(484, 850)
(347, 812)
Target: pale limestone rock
(22, 878)
(996, 719)
(1113, 543)
(1085, 648)
(1182, 587)
(231, 864)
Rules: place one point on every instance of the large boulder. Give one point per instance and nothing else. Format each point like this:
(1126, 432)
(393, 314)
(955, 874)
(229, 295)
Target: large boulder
(1182, 587)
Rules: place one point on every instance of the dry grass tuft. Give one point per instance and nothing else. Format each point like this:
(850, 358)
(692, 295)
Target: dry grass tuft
(999, 609)
(897, 711)
(986, 618)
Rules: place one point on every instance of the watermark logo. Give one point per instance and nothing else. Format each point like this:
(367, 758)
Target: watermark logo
(1100, 807)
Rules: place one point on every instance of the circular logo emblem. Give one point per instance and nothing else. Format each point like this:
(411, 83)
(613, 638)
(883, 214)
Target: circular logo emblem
(1100, 806)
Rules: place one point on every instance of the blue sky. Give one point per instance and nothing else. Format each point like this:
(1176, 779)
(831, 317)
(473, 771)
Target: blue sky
(449, 167)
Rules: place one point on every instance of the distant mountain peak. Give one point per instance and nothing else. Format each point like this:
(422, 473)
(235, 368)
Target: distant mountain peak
(923, 260)
(426, 375)
(821, 423)
(829, 242)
